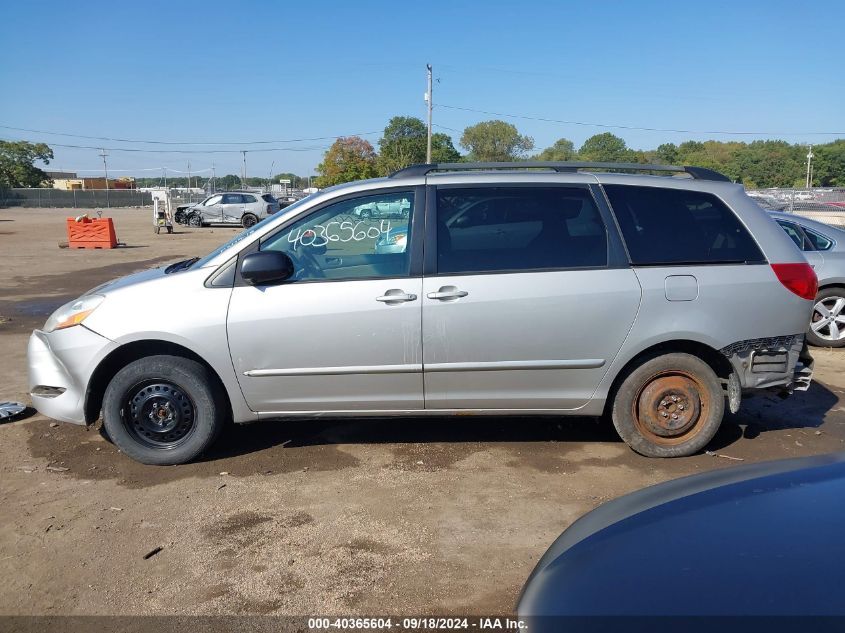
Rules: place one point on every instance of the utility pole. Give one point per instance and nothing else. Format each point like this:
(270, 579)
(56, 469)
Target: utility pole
(243, 169)
(429, 100)
(810, 167)
(106, 169)
(213, 179)
(190, 193)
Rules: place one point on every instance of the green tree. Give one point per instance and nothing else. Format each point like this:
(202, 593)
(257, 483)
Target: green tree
(403, 143)
(442, 149)
(667, 153)
(563, 149)
(349, 158)
(229, 181)
(295, 181)
(829, 164)
(16, 163)
(605, 147)
(491, 141)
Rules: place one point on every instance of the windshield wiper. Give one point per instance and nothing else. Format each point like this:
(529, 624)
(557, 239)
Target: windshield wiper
(183, 265)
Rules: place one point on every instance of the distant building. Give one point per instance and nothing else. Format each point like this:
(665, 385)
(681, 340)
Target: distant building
(61, 175)
(82, 184)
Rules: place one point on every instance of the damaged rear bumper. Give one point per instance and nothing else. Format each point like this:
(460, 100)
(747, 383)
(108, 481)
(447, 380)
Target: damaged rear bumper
(783, 363)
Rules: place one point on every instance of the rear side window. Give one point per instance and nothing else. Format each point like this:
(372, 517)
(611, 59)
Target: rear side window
(675, 226)
(796, 235)
(248, 199)
(500, 229)
(819, 241)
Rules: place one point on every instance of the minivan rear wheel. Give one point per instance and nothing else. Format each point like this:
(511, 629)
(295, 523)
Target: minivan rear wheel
(670, 406)
(163, 410)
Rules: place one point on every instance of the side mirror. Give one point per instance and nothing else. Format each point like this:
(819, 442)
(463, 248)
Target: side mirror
(266, 267)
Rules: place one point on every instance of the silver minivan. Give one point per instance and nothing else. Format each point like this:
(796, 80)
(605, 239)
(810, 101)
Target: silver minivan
(512, 289)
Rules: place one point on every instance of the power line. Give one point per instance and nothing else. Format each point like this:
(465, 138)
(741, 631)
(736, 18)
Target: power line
(632, 127)
(239, 143)
(185, 151)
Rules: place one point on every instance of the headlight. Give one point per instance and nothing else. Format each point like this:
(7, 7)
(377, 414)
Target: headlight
(73, 313)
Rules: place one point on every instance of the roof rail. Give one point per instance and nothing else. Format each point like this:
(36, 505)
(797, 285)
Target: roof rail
(699, 173)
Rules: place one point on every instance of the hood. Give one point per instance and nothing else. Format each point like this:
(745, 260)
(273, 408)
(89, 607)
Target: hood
(130, 280)
(763, 539)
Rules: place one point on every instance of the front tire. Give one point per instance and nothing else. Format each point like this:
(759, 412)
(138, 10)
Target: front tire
(670, 406)
(163, 410)
(195, 220)
(827, 324)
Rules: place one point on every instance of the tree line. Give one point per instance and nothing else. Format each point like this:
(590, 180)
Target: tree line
(758, 164)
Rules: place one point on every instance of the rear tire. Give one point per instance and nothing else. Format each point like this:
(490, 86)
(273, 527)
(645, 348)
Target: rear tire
(163, 410)
(248, 220)
(670, 406)
(828, 318)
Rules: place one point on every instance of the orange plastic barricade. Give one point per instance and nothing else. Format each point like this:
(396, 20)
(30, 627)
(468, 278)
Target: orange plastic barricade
(88, 233)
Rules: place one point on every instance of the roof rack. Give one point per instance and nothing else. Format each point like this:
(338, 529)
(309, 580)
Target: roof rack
(699, 173)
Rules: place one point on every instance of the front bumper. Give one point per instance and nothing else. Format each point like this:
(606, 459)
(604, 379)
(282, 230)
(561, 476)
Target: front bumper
(60, 365)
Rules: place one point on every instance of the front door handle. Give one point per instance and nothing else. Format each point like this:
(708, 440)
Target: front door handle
(447, 292)
(395, 296)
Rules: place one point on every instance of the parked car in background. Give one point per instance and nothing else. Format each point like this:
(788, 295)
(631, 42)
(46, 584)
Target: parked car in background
(397, 209)
(768, 201)
(824, 247)
(654, 300)
(231, 207)
(733, 545)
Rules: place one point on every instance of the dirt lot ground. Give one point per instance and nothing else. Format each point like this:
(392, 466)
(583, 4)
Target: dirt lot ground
(330, 517)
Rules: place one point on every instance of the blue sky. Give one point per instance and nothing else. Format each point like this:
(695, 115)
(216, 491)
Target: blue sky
(273, 71)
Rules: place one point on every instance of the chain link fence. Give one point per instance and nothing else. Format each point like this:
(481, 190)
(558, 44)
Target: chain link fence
(75, 199)
(823, 204)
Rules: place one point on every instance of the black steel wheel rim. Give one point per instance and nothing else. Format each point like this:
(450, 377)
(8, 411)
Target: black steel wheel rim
(159, 414)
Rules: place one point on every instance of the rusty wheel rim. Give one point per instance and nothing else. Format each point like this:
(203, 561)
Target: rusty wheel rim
(670, 408)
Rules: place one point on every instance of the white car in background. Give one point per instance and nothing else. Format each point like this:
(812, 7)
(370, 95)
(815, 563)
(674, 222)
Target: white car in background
(389, 209)
(230, 207)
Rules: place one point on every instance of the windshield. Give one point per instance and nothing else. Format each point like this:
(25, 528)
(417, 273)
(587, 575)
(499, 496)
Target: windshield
(243, 235)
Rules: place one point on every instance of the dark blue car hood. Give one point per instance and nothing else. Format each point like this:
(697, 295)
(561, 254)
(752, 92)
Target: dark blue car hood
(766, 539)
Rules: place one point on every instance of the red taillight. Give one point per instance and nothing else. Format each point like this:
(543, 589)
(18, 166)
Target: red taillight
(798, 278)
(270, 209)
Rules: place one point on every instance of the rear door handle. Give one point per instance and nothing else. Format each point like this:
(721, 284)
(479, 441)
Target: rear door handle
(396, 295)
(447, 292)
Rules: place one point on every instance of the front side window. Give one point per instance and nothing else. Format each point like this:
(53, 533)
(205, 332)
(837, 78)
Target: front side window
(677, 226)
(213, 200)
(337, 243)
(500, 229)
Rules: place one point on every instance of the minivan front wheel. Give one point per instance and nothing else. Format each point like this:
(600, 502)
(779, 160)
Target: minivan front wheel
(670, 406)
(162, 410)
